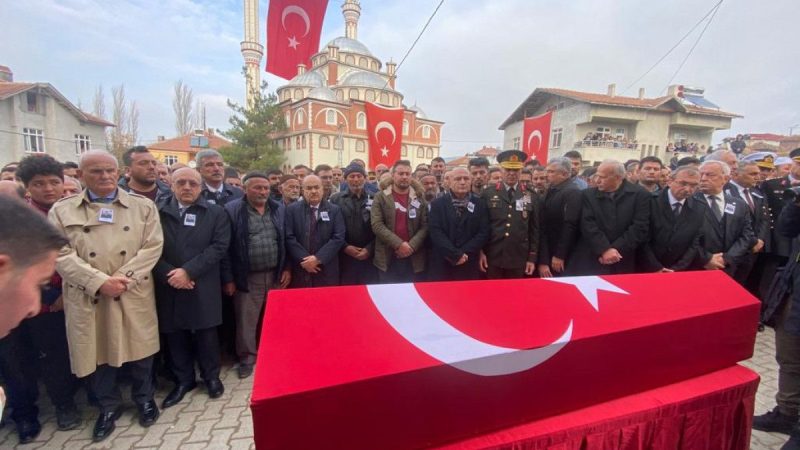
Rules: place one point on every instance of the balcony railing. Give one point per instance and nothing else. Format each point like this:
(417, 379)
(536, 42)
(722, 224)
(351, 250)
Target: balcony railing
(606, 144)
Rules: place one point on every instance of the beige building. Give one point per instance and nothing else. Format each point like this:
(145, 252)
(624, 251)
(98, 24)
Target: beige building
(182, 149)
(608, 126)
(324, 105)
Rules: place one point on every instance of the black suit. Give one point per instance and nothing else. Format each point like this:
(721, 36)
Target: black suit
(759, 215)
(560, 221)
(621, 222)
(674, 241)
(453, 236)
(325, 243)
(732, 236)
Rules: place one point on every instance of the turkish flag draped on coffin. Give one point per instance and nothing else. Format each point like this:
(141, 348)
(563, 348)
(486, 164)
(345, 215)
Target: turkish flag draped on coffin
(536, 137)
(385, 126)
(293, 30)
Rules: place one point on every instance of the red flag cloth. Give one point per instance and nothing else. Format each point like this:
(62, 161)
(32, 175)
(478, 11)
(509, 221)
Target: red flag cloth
(536, 137)
(385, 126)
(293, 30)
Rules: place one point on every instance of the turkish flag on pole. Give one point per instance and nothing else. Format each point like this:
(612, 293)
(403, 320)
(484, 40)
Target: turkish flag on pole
(385, 126)
(536, 137)
(293, 29)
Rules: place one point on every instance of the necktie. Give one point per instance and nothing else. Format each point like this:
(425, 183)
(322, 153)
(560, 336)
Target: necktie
(749, 200)
(511, 192)
(676, 208)
(715, 207)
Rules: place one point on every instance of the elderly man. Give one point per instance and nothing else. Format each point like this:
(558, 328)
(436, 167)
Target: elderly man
(615, 221)
(314, 235)
(430, 187)
(163, 173)
(676, 225)
(257, 260)
(142, 177)
(744, 186)
(479, 171)
(188, 290)
(290, 189)
(727, 232)
(514, 221)
(560, 218)
(71, 186)
(115, 240)
(399, 218)
(459, 228)
(725, 156)
(355, 259)
(212, 169)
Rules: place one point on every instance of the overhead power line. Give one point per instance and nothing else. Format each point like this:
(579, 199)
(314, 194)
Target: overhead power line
(691, 50)
(414, 44)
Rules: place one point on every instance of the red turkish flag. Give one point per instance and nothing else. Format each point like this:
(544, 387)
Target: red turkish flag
(385, 126)
(293, 29)
(536, 137)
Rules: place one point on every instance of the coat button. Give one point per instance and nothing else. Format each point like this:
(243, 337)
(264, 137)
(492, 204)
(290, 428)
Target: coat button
(123, 253)
(126, 228)
(96, 300)
(506, 234)
(508, 224)
(146, 277)
(509, 216)
(92, 255)
(86, 229)
(509, 206)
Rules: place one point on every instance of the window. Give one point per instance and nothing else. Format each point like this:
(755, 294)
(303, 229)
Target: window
(370, 96)
(426, 132)
(555, 141)
(384, 98)
(678, 137)
(288, 118)
(395, 101)
(360, 146)
(374, 66)
(297, 143)
(34, 140)
(515, 143)
(33, 102)
(354, 94)
(287, 94)
(560, 105)
(82, 143)
(363, 62)
(330, 117)
(170, 159)
(299, 116)
(361, 121)
(619, 133)
(404, 151)
(298, 94)
(604, 130)
(429, 153)
(339, 95)
(405, 127)
(324, 142)
(350, 59)
(420, 152)
(337, 143)
(303, 141)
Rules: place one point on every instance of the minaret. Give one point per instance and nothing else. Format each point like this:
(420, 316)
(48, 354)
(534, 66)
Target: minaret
(351, 9)
(252, 50)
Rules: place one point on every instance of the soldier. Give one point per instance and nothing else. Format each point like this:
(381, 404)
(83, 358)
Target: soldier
(513, 218)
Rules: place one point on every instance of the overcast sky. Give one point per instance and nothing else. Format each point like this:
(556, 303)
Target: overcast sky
(476, 63)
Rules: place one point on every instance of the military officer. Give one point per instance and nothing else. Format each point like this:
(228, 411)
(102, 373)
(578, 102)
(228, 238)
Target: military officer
(513, 217)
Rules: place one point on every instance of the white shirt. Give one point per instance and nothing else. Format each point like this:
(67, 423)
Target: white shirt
(720, 201)
(673, 200)
(211, 189)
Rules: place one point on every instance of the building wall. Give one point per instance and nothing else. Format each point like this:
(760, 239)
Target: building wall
(182, 157)
(58, 124)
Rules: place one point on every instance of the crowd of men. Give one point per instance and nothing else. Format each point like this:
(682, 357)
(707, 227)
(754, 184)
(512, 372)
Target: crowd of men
(168, 269)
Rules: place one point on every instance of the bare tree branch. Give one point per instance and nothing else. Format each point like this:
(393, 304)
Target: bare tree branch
(133, 123)
(182, 106)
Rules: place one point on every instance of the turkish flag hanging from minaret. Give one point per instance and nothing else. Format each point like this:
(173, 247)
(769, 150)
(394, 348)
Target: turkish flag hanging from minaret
(385, 126)
(293, 30)
(536, 137)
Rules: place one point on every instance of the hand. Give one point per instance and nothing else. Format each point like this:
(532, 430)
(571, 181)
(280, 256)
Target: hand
(557, 264)
(610, 256)
(286, 278)
(310, 264)
(351, 251)
(544, 271)
(462, 260)
(363, 255)
(529, 268)
(483, 262)
(759, 246)
(114, 286)
(179, 279)
(716, 262)
(229, 289)
(665, 270)
(404, 250)
(57, 305)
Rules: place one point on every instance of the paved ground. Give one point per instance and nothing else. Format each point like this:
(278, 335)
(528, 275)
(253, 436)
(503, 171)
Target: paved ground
(225, 423)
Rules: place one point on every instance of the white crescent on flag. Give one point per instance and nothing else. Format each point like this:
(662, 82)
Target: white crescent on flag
(388, 126)
(534, 134)
(404, 309)
(294, 9)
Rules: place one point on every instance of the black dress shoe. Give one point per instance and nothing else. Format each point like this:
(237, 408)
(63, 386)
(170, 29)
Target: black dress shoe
(67, 417)
(215, 388)
(245, 370)
(105, 425)
(177, 394)
(27, 430)
(774, 421)
(148, 413)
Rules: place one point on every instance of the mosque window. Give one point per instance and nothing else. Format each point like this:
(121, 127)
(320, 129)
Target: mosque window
(324, 142)
(429, 153)
(350, 60)
(420, 152)
(404, 151)
(299, 117)
(360, 146)
(330, 117)
(353, 94)
(363, 62)
(339, 95)
(384, 98)
(426, 132)
(297, 143)
(288, 119)
(370, 95)
(298, 94)
(361, 121)
(405, 127)
(374, 65)
(395, 101)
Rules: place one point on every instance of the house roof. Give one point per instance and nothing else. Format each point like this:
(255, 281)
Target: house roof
(767, 137)
(539, 95)
(184, 143)
(10, 89)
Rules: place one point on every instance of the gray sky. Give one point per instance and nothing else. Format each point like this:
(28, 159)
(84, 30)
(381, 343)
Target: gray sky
(475, 64)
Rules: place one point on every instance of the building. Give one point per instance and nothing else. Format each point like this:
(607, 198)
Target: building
(324, 106)
(769, 142)
(608, 126)
(252, 50)
(36, 119)
(182, 149)
(490, 153)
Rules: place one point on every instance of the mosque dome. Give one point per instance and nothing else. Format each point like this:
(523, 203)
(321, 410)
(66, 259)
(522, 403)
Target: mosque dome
(420, 113)
(346, 44)
(365, 79)
(322, 93)
(311, 78)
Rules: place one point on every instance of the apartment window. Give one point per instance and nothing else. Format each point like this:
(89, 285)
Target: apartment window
(170, 159)
(82, 143)
(360, 146)
(605, 131)
(34, 140)
(324, 142)
(678, 137)
(361, 121)
(515, 143)
(33, 102)
(555, 141)
(330, 117)
(420, 152)
(619, 132)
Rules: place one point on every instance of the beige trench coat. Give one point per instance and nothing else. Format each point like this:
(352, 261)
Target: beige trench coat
(103, 330)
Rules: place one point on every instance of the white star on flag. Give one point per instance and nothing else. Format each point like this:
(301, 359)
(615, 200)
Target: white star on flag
(384, 151)
(588, 286)
(293, 42)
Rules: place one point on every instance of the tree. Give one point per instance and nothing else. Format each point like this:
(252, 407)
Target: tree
(182, 100)
(133, 123)
(119, 113)
(99, 102)
(253, 133)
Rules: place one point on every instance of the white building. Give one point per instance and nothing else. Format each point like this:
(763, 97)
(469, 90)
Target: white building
(36, 118)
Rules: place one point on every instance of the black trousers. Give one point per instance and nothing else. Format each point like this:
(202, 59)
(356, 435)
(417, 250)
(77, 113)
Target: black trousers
(103, 383)
(37, 349)
(354, 272)
(399, 271)
(188, 346)
(499, 273)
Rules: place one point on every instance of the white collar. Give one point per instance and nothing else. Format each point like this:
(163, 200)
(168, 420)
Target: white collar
(672, 199)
